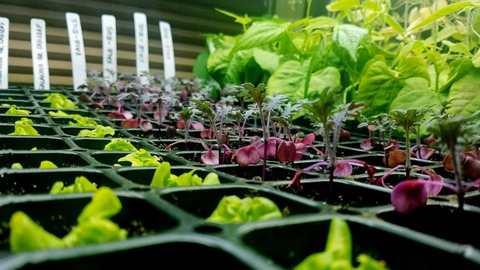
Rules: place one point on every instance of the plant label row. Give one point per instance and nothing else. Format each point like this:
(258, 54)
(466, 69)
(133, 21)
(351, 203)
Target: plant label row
(77, 49)
(109, 37)
(141, 46)
(4, 26)
(41, 74)
(167, 49)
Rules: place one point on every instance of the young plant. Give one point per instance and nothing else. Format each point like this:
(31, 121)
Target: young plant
(60, 101)
(99, 132)
(141, 158)
(23, 127)
(164, 178)
(15, 111)
(81, 184)
(119, 144)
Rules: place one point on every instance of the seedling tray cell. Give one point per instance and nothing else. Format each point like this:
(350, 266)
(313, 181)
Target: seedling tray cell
(15, 96)
(111, 158)
(254, 172)
(75, 130)
(11, 119)
(32, 159)
(6, 129)
(99, 143)
(20, 182)
(29, 142)
(83, 113)
(17, 103)
(152, 134)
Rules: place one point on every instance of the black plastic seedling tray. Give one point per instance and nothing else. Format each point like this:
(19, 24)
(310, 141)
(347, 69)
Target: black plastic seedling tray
(167, 225)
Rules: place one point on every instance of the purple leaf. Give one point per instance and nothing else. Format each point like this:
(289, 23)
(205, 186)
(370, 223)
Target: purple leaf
(286, 152)
(145, 125)
(121, 114)
(342, 169)
(207, 134)
(300, 148)
(197, 126)
(247, 155)
(271, 149)
(130, 123)
(408, 196)
(210, 158)
(367, 144)
(181, 124)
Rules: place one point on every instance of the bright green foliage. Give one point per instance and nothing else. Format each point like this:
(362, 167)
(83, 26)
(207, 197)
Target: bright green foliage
(23, 127)
(62, 114)
(141, 159)
(17, 166)
(164, 178)
(47, 165)
(464, 93)
(232, 209)
(12, 110)
(60, 101)
(99, 132)
(338, 252)
(80, 185)
(119, 144)
(83, 122)
(93, 226)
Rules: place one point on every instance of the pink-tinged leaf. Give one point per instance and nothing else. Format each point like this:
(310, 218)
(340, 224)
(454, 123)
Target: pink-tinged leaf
(380, 182)
(121, 114)
(342, 169)
(344, 135)
(271, 149)
(408, 196)
(147, 107)
(197, 126)
(394, 145)
(210, 158)
(181, 124)
(286, 152)
(367, 144)
(156, 115)
(429, 140)
(371, 127)
(300, 148)
(113, 102)
(307, 140)
(434, 189)
(99, 106)
(425, 152)
(130, 123)
(224, 139)
(207, 134)
(145, 125)
(247, 155)
(116, 115)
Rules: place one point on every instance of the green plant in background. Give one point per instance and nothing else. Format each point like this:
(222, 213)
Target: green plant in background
(99, 132)
(81, 184)
(338, 252)
(23, 127)
(94, 226)
(119, 144)
(141, 158)
(164, 178)
(232, 209)
(60, 101)
(15, 111)
(83, 122)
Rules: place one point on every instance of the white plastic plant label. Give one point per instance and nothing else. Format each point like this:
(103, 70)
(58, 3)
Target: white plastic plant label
(41, 74)
(4, 26)
(77, 50)
(141, 46)
(167, 49)
(109, 37)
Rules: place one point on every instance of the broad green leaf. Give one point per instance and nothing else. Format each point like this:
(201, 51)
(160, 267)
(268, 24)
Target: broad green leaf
(321, 22)
(26, 235)
(104, 204)
(268, 61)
(119, 144)
(200, 66)
(458, 68)
(394, 24)
(259, 34)
(381, 85)
(23, 127)
(349, 37)
(94, 231)
(236, 69)
(211, 179)
(320, 80)
(60, 101)
(441, 13)
(15, 111)
(464, 92)
(185, 179)
(442, 77)
(141, 159)
(62, 114)
(416, 94)
(458, 48)
(161, 176)
(287, 79)
(99, 132)
(342, 5)
(83, 122)
(416, 46)
(46, 164)
(442, 35)
(263, 209)
(217, 64)
(57, 188)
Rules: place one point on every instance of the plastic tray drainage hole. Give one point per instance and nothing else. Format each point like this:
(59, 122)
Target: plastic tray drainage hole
(347, 211)
(208, 229)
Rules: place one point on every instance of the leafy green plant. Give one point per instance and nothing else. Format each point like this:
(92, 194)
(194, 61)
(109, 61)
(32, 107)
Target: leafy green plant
(232, 209)
(60, 101)
(164, 178)
(141, 158)
(15, 111)
(119, 144)
(23, 127)
(83, 122)
(81, 184)
(99, 132)
(62, 114)
(45, 164)
(93, 226)
(338, 252)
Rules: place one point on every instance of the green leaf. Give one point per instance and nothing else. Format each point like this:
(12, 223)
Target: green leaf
(94, 231)
(83, 122)
(349, 37)
(442, 12)
(458, 48)
(14, 111)
(161, 176)
(23, 127)
(236, 70)
(343, 5)
(416, 94)
(268, 61)
(238, 19)
(263, 209)
(119, 144)
(394, 24)
(26, 235)
(104, 204)
(98, 132)
(80, 185)
(464, 93)
(141, 159)
(45, 164)
(211, 179)
(328, 77)
(57, 188)
(62, 114)
(321, 22)
(17, 166)
(60, 101)
(339, 241)
(200, 66)
(184, 180)
(381, 85)
(259, 34)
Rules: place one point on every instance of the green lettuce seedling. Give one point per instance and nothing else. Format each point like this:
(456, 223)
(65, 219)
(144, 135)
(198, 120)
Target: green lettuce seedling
(93, 226)
(46, 164)
(60, 101)
(164, 178)
(17, 166)
(83, 122)
(23, 127)
(119, 145)
(80, 185)
(141, 159)
(232, 209)
(99, 132)
(17, 111)
(338, 252)
(62, 114)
